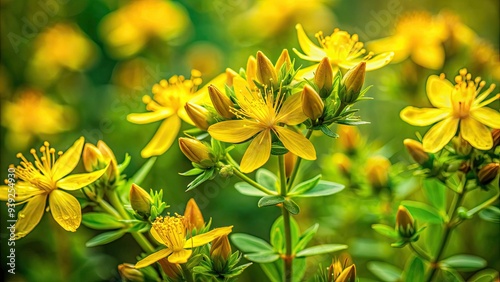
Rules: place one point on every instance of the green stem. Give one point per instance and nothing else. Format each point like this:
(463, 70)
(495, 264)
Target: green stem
(253, 183)
(187, 274)
(484, 205)
(419, 252)
(231, 161)
(108, 208)
(297, 164)
(288, 258)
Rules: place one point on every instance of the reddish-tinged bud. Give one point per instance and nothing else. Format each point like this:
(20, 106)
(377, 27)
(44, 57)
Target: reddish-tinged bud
(199, 115)
(193, 218)
(195, 150)
(405, 224)
(488, 173)
(416, 151)
(129, 273)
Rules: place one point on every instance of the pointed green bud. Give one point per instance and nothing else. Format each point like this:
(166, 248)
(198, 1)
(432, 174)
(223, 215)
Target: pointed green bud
(323, 78)
(353, 83)
(221, 102)
(312, 105)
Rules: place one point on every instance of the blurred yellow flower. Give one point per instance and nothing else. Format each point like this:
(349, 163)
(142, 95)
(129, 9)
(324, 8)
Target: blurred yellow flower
(43, 181)
(377, 171)
(342, 49)
(417, 35)
(171, 232)
(127, 30)
(485, 58)
(260, 114)
(23, 118)
(62, 46)
(460, 105)
(167, 104)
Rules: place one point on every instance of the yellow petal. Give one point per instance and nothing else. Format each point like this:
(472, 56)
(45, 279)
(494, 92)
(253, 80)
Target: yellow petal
(77, 181)
(373, 63)
(423, 116)
(205, 238)
(429, 56)
(308, 72)
(439, 91)
(163, 138)
(487, 116)
(23, 191)
(30, 215)
(296, 143)
(257, 153)
(291, 112)
(234, 131)
(68, 161)
(152, 258)
(308, 47)
(180, 256)
(65, 209)
(143, 118)
(156, 236)
(474, 132)
(397, 44)
(440, 134)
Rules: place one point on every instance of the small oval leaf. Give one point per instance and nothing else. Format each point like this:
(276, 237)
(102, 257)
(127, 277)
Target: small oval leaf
(271, 200)
(105, 238)
(464, 262)
(321, 249)
(264, 257)
(250, 244)
(248, 190)
(323, 188)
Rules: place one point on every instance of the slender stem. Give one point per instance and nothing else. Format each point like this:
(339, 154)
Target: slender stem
(231, 161)
(484, 205)
(253, 183)
(143, 242)
(297, 164)
(187, 274)
(288, 258)
(419, 252)
(117, 204)
(108, 208)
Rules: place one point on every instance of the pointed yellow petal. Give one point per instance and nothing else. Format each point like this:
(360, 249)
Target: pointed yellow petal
(234, 131)
(429, 56)
(474, 132)
(143, 118)
(373, 63)
(440, 134)
(257, 153)
(308, 47)
(291, 112)
(296, 143)
(152, 258)
(23, 191)
(163, 138)
(397, 44)
(423, 116)
(205, 238)
(308, 72)
(157, 236)
(68, 161)
(30, 215)
(487, 116)
(439, 91)
(181, 256)
(77, 181)
(65, 209)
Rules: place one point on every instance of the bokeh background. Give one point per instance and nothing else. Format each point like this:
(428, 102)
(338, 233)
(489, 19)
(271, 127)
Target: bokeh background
(77, 68)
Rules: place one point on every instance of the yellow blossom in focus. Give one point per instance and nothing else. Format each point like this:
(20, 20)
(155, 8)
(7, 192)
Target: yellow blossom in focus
(460, 106)
(167, 105)
(62, 46)
(417, 35)
(260, 114)
(342, 49)
(23, 118)
(44, 180)
(128, 29)
(171, 231)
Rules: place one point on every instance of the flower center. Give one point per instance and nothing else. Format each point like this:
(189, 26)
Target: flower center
(340, 46)
(263, 108)
(466, 90)
(172, 231)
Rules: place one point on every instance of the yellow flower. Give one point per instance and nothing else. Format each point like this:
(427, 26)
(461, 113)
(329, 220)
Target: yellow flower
(167, 104)
(171, 232)
(342, 49)
(419, 36)
(462, 105)
(44, 180)
(260, 114)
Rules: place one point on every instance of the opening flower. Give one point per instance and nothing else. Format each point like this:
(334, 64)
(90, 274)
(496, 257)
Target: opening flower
(260, 114)
(342, 49)
(167, 104)
(171, 231)
(460, 107)
(44, 180)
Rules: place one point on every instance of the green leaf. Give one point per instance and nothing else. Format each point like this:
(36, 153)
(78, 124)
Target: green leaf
(463, 262)
(266, 178)
(206, 175)
(299, 269)
(272, 271)
(250, 244)
(248, 190)
(271, 200)
(491, 214)
(278, 231)
(424, 212)
(105, 238)
(386, 230)
(305, 186)
(321, 249)
(264, 257)
(384, 271)
(448, 275)
(291, 206)
(305, 238)
(415, 271)
(100, 221)
(351, 122)
(486, 275)
(192, 172)
(141, 174)
(323, 188)
(435, 191)
(124, 164)
(328, 132)
(278, 149)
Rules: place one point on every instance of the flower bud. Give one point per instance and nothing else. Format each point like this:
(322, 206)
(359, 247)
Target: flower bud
(251, 72)
(347, 275)
(350, 138)
(405, 224)
(495, 133)
(377, 171)
(343, 163)
(195, 151)
(352, 83)
(265, 71)
(199, 115)
(172, 270)
(323, 78)
(140, 200)
(220, 249)
(193, 218)
(416, 151)
(230, 75)
(226, 171)
(290, 160)
(92, 157)
(221, 102)
(108, 154)
(488, 173)
(129, 273)
(284, 59)
(461, 146)
(312, 105)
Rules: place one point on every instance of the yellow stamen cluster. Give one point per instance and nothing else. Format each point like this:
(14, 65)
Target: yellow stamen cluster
(172, 231)
(261, 107)
(341, 46)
